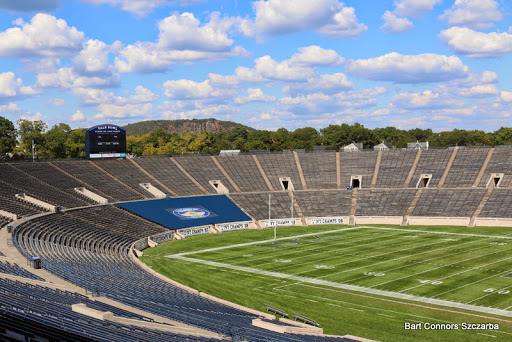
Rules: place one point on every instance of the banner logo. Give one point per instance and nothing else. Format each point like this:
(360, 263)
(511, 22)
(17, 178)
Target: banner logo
(191, 213)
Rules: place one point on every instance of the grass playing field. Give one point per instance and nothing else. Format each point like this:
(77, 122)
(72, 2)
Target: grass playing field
(364, 281)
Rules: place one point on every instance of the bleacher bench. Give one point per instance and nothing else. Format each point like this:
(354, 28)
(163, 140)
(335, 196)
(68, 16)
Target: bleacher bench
(305, 319)
(276, 310)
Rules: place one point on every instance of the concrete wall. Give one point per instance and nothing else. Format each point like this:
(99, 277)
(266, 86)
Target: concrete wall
(378, 220)
(438, 221)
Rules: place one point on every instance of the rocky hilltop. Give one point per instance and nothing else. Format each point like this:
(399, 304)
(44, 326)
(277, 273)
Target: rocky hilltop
(193, 126)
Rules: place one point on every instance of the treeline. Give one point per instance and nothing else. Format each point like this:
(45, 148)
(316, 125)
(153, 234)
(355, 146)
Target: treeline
(61, 142)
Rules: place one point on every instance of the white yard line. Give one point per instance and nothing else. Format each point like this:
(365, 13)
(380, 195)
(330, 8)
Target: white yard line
(436, 268)
(339, 251)
(471, 269)
(351, 287)
(415, 263)
(390, 260)
(472, 283)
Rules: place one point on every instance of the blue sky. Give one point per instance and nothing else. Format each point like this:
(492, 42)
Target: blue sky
(270, 63)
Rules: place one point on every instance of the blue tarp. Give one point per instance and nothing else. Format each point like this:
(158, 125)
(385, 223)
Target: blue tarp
(184, 212)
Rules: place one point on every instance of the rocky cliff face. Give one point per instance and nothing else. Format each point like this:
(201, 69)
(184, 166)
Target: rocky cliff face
(197, 127)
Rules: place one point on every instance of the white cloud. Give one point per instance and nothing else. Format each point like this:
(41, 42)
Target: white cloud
(138, 7)
(92, 96)
(66, 78)
(93, 59)
(475, 44)
(412, 8)
(315, 56)
(188, 89)
(12, 87)
(55, 102)
(77, 117)
(328, 17)
(111, 110)
(254, 95)
(394, 24)
(183, 32)
(477, 14)
(481, 90)
(327, 84)
(10, 108)
(182, 40)
(505, 96)
(30, 5)
(173, 110)
(44, 36)
(399, 68)
(423, 100)
(317, 103)
(284, 71)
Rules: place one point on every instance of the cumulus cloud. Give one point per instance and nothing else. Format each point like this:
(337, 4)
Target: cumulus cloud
(12, 87)
(138, 7)
(478, 14)
(182, 40)
(412, 8)
(93, 59)
(326, 84)
(328, 17)
(77, 117)
(66, 78)
(30, 5)
(505, 96)
(318, 103)
(93, 96)
(315, 56)
(481, 90)
(394, 24)
(10, 108)
(44, 36)
(285, 70)
(468, 42)
(254, 95)
(399, 68)
(55, 102)
(112, 110)
(397, 21)
(188, 89)
(423, 100)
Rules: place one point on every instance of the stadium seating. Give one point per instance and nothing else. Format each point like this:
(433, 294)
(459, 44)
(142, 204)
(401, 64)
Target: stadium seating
(394, 168)
(319, 170)
(280, 165)
(98, 181)
(465, 167)
(170, 175)
(203, 169)
(432, 162)
(448, 202)
(89, 246)
(243, 170)
(357, 163)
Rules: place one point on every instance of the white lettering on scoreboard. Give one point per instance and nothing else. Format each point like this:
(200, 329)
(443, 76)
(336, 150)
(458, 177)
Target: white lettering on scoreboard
(233, 226)
(280, 223)
(326, 220)
(195, 231)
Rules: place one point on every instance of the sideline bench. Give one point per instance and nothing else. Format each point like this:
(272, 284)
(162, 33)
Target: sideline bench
(305, 319)
(276, 310)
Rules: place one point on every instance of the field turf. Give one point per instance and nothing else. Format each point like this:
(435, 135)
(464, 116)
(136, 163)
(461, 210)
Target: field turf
(363, 281)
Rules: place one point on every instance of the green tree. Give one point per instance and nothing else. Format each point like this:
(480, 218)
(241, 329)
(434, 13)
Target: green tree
(280, 140)
(258, 140)
(502, 136)
(306, 138)
(31, 130)
(75, 143)
(55, 141)
(7, 136)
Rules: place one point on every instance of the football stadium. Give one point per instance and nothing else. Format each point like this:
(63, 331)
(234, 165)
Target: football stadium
(407, 245)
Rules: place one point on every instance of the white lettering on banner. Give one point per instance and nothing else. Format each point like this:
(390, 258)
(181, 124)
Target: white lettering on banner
(327, 220)
(195, 231)
(280, 223)
(233, 226)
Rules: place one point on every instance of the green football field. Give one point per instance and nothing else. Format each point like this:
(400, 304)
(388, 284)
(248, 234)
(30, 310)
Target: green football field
(364, 281)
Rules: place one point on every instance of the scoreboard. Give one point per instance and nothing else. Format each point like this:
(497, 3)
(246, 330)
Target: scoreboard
(105, 141)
